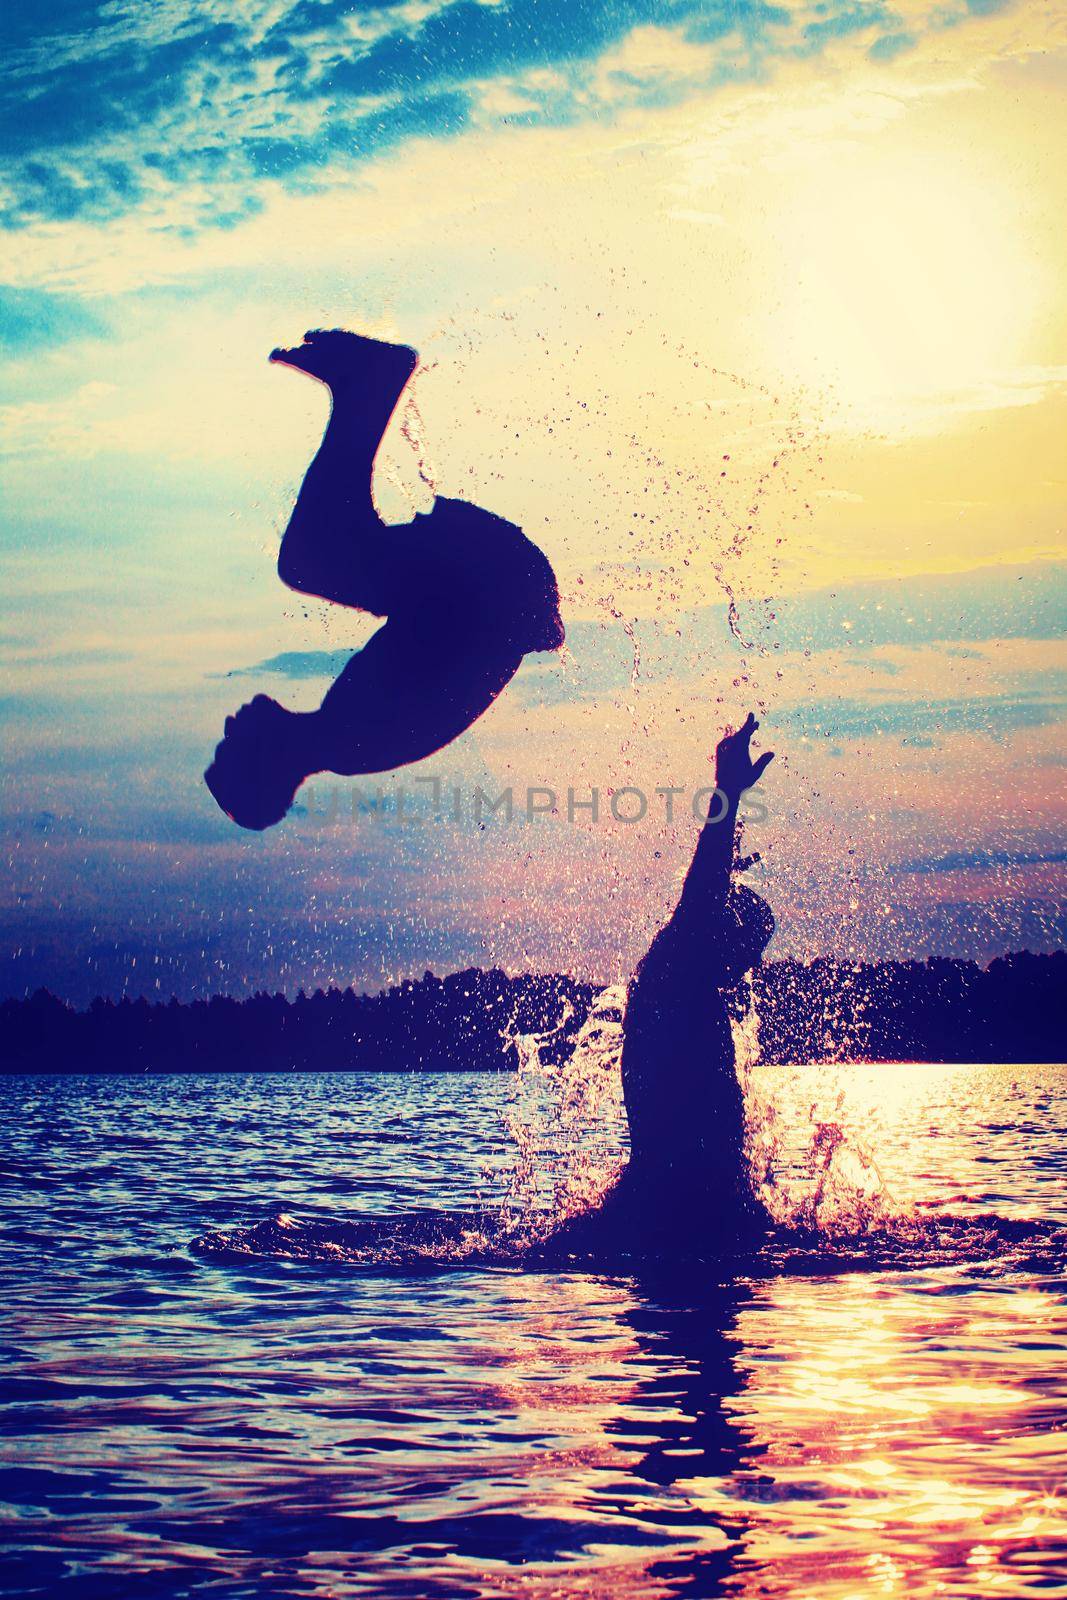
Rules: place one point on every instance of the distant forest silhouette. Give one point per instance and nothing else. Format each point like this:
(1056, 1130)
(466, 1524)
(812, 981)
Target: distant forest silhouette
(937, 1010)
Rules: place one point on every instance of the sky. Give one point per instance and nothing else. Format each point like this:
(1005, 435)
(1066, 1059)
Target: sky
(751, 315)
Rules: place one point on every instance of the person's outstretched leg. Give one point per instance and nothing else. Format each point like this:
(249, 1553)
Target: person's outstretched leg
(335, 545)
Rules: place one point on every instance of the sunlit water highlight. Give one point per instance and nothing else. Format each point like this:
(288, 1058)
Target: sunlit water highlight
(872, 1412)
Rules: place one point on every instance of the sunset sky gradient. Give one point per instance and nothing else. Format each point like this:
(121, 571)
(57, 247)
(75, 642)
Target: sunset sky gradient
(751, 315)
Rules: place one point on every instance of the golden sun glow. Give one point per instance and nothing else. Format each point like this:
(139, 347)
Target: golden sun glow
(907, 283)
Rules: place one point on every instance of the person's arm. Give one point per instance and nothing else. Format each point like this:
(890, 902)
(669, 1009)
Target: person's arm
(708, 879)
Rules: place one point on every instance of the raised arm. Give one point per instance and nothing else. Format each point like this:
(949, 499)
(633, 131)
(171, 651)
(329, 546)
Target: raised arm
(708, 879)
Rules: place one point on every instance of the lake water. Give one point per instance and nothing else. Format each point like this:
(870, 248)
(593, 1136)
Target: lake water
(856, 1415)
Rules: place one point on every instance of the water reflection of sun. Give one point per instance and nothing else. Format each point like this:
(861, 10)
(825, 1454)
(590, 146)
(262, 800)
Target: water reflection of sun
(886, 1417)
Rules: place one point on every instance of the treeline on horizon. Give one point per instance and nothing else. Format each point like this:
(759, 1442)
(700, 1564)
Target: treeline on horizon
(937, 1010)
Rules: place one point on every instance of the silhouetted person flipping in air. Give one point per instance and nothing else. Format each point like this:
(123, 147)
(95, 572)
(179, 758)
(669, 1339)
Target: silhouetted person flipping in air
(686, 1184)
(466, 595)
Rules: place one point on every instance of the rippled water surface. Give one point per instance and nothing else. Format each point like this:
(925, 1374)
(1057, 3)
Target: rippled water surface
(869, 1416)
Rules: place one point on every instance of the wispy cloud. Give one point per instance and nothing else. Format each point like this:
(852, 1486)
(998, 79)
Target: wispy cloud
(191, 112)
(298, 664)
(34, 319)
(984, 861)
(923, 722)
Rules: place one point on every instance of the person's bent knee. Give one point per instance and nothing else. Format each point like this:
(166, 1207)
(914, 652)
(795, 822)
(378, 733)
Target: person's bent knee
(290, 571)
(299, 574)
(356, 590)
(296, 576)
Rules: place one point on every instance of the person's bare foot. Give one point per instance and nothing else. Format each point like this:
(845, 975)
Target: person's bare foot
(339, 359)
